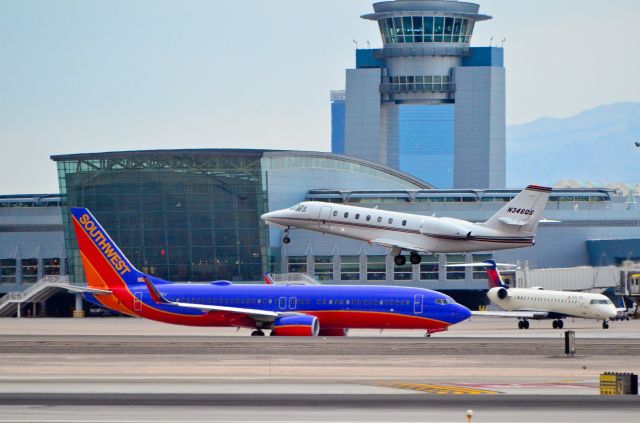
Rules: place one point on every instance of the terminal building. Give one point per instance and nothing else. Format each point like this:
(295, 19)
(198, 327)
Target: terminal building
(426, 103)
(194, 215)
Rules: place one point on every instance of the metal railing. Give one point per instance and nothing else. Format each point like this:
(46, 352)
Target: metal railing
(11, 299)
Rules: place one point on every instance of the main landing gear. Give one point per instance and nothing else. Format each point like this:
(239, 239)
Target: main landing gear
(257, 333)
(605, 325)
(557, 324)
(523, 324)
(286, 238)
(401, 260)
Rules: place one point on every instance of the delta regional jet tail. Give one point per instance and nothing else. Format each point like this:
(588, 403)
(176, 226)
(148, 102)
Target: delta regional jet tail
(538, 303)
(286, 310)
(514, 226)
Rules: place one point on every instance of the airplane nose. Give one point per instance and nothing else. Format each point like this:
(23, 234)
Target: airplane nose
(270, 216)
(461, 313)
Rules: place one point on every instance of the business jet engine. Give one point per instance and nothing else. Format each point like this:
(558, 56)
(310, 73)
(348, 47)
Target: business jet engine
(298, 325)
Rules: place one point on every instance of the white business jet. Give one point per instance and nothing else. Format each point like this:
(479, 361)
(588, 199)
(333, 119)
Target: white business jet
(514, 226)
(538, 303)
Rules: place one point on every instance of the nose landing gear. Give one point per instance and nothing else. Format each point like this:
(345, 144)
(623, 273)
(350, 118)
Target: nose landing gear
(523, 324)
(557, 324)
(286, 238)
(605, 325)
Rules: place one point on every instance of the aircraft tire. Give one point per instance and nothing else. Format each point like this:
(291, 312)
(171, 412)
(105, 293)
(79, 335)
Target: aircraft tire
(520, 324)
(286, 240)
(415, 258)
(400, 260)
(605, 325)
(526, 324)
(257, 333)
(555, 324)
(560, 324)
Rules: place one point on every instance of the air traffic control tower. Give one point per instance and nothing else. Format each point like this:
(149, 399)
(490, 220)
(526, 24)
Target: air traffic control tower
(426, 103)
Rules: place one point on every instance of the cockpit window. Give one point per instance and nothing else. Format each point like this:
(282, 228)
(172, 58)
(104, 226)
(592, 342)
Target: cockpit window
(601, 302)
(294, 207)
(300, 208)
(444, 301)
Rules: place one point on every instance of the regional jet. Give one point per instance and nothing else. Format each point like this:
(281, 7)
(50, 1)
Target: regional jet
(513, 226)
(285, 310)
(539, 303)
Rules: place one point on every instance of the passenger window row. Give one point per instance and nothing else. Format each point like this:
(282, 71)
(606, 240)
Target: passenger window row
(368, 218)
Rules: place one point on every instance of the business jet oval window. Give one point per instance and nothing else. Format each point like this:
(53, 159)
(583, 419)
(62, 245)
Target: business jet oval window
(379, 219)
(346, 215)
(390, 221)
(335, 213)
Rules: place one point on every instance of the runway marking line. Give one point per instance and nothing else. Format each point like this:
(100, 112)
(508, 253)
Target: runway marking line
(436, 389)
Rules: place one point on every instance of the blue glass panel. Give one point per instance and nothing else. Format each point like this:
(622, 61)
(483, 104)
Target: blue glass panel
(408, 26)
(438, 29)
(428, 29)
(337, 126)
(426, 141)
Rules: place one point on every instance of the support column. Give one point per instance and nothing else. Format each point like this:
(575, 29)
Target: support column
(78, 312)
(19, 307)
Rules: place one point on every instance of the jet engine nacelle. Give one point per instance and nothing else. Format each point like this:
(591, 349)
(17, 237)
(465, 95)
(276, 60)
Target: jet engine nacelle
(445, 227)
(296, 326)
(499, 293)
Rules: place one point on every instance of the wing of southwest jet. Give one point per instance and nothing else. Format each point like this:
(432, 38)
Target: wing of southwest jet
(392, 243)
(263, 315)
(81, 289)
(520, 314)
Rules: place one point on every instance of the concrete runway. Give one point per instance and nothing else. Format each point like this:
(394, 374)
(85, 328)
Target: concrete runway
(116, 369)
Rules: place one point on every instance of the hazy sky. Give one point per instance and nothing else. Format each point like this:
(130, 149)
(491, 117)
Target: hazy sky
(89, 76)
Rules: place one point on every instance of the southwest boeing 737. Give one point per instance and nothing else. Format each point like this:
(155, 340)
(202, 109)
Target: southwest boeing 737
(286, 310)
(513, 226)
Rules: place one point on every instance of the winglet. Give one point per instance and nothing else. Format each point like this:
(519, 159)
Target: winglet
(268, 279)
(155, 294)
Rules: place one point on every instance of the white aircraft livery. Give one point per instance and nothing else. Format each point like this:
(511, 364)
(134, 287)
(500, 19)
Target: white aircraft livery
(538, 303)
(513, 226)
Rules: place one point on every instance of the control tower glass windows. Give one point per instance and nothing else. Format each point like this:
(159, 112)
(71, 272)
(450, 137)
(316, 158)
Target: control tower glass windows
(417, 83)
(425, 29)
(428, 29)
(438, 29)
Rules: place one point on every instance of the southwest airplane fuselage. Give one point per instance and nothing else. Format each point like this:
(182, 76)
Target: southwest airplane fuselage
(294, 310)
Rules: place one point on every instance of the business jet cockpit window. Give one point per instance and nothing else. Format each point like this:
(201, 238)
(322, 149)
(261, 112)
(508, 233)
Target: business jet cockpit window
(299, 208)
(607, 301)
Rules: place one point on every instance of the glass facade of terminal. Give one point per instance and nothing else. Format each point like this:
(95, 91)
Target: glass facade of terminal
(426, 29)
(425, 148)
(180, 218)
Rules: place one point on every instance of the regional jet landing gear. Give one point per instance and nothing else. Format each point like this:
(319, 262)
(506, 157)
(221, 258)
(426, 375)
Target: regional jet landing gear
(401, 260)
(605, 325)
(523, 324)
(286, 238)
(557, 324)
(257, 333)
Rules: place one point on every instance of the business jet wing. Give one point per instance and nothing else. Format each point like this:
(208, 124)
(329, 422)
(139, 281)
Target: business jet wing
(392, 243)
(519, 314)
(262, 315)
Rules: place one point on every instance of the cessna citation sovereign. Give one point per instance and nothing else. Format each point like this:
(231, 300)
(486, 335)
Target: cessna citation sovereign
(538, 303)
(514, 226)
(300, 310)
